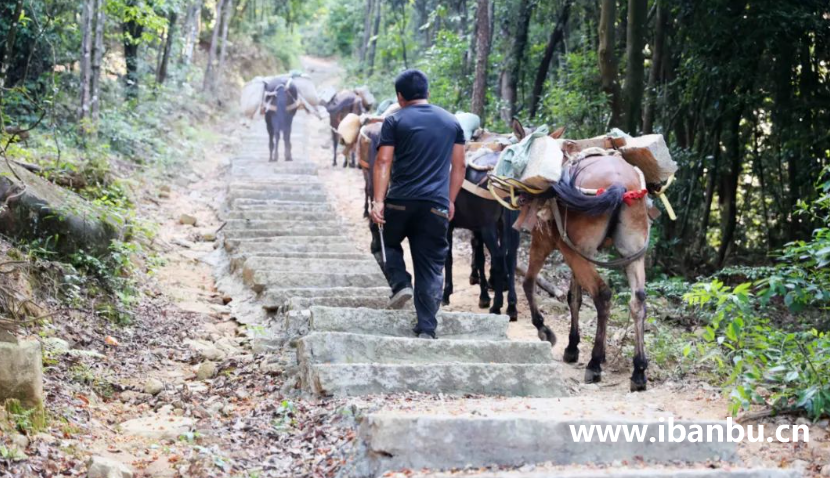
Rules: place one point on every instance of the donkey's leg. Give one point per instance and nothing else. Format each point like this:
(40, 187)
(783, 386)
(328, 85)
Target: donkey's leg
(270, 129)
(541, 245)
(445, 299)
(478, 250)
(334, 148)
(636, 272)
(587, 276)
(479, 263)
(574, 303)
(497, 265)
(366, 193)
(510, 245)
(287, 139)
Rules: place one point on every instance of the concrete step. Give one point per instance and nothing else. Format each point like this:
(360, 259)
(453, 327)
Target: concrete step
(513, 380)
(512, 432)
(289, 230)
(650, 472)
(399, 323)
(282, 215)
(308, 196)
(309, 244)
(278, 299)
(302, 303)
(293, 183)
(261, 281)
(300, 266)
(239, 259)
(277, 205)
(257, 168)
(350, 348)
(232, 224)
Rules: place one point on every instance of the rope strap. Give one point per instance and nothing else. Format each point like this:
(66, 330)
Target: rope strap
(562, 227)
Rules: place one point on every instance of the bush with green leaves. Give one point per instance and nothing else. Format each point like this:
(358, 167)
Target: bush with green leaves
(761, 364)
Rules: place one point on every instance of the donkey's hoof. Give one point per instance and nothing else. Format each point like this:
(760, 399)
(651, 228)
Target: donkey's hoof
(571, 355)
(495, 310)
(474, 279)
(288, 159)
(547, 335)
(483, 303)
(512, 313)
(593, 376)
(638, 387)
(445, 300)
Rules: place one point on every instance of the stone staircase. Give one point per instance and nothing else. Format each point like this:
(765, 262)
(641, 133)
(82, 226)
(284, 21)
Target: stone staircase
(286, 243)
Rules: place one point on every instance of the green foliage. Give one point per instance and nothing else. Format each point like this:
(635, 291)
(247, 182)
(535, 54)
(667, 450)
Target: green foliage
(802, 275)
(761, 364)
(443, 63)
(574, 99)
(26, 420)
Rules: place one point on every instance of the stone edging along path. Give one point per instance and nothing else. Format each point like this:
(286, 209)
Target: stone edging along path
(287, 245)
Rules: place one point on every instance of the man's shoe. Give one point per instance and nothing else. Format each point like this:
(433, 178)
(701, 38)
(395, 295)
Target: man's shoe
(399, 298)
(424, 335)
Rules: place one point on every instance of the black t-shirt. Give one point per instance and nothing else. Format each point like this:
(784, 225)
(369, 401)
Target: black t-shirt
(423, 136)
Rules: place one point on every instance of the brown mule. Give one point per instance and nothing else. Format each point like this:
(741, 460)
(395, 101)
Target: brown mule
(591, 222)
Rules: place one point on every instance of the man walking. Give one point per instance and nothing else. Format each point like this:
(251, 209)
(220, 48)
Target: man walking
(418, 144)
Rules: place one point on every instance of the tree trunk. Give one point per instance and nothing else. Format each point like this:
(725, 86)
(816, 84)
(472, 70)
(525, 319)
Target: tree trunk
(729, 189)
(87, 39)
(97, 59)
(168, 45)
(134, 31)
(635, 69)
(608, 60)
(710, 190)
(421, 18)
(375, 31)
(658, 58)
(7, 47)
(228, 15)
(367, 32)
(556, 37)
(214, 43)
(191, 30)
(513, 62)
(402, 34)
(482, 56)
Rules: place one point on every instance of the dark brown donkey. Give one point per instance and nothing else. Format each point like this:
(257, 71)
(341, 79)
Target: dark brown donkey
(591, 221)
(343, 103)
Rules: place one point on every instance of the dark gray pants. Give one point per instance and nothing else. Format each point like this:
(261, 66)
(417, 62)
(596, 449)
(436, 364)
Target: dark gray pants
(425, 225)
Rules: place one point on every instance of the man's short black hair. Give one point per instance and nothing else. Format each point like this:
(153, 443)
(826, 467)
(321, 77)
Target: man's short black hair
(412, 84)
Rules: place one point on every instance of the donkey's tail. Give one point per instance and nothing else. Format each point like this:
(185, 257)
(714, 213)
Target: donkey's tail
(572, 197)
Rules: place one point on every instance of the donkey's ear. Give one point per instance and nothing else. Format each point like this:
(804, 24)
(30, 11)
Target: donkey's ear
(518, 129)
(558, 133)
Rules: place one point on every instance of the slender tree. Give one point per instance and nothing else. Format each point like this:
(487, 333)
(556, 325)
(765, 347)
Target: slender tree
(482, 57)
(556, 37)
(513, 61)
(87, 39)
(608, 59)
(133, 30)
(227, 17)
(375, 32)
(98, 52)
(214, 44)
(635, 68)
(655, 76)
(367, 32)
(168, 46)
(192, 25)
